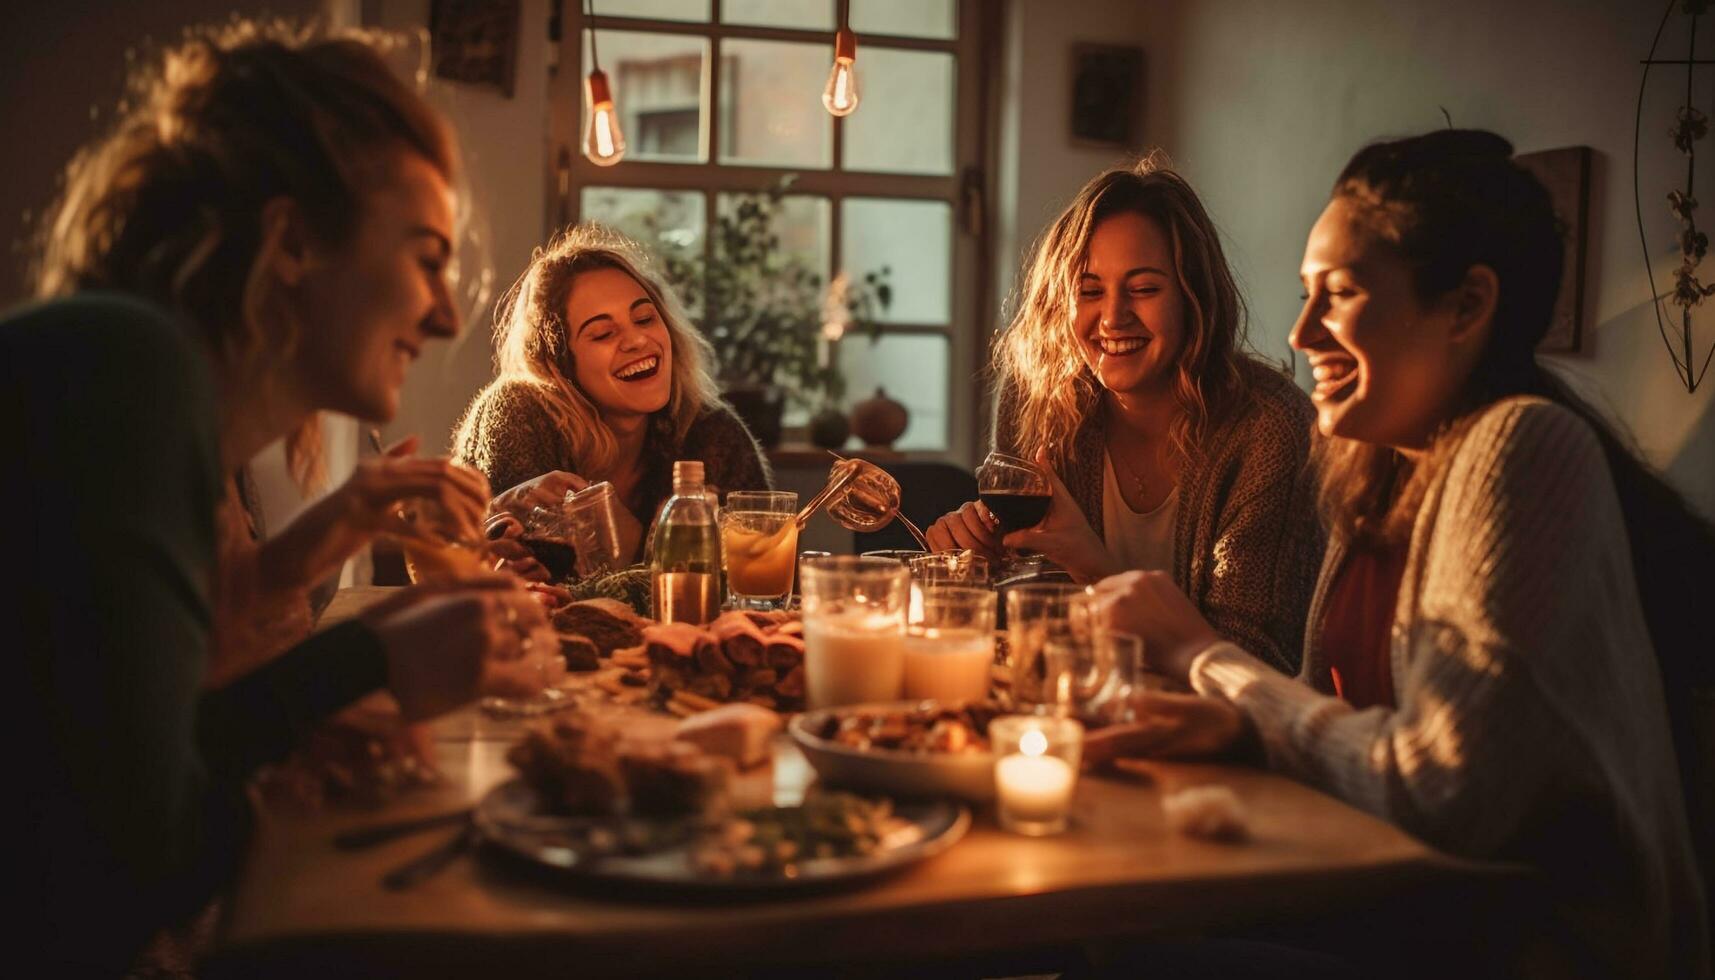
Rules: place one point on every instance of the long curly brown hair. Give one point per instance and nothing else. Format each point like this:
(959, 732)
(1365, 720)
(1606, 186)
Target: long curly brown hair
(1036, 361)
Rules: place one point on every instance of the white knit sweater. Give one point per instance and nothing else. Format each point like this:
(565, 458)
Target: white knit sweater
(1530, 723)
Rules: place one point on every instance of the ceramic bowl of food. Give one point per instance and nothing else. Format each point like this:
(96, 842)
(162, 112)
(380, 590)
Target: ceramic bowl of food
(901, 748)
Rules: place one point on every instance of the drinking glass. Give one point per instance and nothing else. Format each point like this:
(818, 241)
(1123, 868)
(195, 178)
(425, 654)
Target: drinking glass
(580, 538)
(964, 567)
(594, 529)
(1036, 613)
(1130, 676)
(944, 568)
(854, 629)
(1017, 492)
(1092, 674)
(433, 552)
(759, 538)
(902, 555)
(949, 644)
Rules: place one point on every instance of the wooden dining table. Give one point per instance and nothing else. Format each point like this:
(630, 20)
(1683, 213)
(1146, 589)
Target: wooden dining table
(302, 906)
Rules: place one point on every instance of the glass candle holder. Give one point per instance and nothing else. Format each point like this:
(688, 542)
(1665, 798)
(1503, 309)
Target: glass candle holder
(1035, 771)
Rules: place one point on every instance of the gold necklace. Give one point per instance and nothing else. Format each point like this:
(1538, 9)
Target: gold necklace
(1137, 481)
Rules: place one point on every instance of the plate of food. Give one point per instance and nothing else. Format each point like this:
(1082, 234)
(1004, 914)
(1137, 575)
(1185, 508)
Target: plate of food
(658, 814)
(920, 749)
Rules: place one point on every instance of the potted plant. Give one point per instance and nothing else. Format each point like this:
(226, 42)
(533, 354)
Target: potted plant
(772, 324)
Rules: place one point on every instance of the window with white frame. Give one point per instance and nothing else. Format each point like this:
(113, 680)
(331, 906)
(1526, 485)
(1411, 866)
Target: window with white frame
(720, 98)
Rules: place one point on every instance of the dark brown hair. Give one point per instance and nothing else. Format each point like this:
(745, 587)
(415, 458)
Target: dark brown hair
(1445, 202)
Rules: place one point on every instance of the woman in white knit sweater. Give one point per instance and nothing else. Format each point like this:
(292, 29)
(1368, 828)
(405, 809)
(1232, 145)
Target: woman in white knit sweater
(1477, 661)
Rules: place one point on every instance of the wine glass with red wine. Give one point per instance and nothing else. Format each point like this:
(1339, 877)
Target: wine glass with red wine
(1016, 492)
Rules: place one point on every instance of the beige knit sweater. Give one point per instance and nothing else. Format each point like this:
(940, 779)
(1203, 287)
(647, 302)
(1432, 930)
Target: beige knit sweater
(1530, 723)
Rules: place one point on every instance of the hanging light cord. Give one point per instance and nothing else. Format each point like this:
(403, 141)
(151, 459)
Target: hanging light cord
(589, 15)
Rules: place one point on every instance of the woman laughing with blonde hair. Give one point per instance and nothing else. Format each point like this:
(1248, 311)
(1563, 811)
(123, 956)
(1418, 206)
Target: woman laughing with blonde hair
(601, 377)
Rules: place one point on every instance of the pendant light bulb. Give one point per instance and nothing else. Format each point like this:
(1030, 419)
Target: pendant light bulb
(604, 144)
(840, 97)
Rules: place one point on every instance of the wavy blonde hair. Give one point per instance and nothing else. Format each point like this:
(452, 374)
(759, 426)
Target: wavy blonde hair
(168, 204)
(1036, 361)
(532, 341)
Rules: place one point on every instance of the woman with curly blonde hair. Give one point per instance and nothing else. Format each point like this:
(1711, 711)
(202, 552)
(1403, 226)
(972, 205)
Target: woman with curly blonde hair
(1168, 447)
(601, 377)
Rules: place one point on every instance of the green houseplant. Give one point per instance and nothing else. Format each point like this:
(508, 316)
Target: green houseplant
(772, 320)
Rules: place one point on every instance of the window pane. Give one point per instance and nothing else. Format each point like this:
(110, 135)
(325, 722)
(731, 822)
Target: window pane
(802, 225)
(914, 241)
(658, 88)
(906, 18)
(912, 368)
(689, 10)
(669, 224)
(813, 15)
(662, 221)
(771, 104)
(904, 123)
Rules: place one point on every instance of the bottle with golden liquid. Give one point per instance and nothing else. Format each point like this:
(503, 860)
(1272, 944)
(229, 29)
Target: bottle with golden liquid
(685, 567)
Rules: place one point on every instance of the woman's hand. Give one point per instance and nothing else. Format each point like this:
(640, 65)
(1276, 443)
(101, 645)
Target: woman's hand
(1065, 536)
(547, 491)
(1169, 726)
(1149, 605)
(369, 500)
(505, 534)
(971, 527)
(446, 644)
(318, 541)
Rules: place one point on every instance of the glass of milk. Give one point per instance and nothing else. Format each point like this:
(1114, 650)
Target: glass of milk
(854, 629)
(949, 643)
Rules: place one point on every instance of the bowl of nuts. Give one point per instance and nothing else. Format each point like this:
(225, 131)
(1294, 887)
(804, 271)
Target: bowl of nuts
(905, 748)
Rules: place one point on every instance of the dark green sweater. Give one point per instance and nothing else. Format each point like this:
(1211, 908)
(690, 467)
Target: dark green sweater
(127, 776)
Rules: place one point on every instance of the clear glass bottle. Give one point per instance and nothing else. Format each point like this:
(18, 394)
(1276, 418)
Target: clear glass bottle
(685, 563)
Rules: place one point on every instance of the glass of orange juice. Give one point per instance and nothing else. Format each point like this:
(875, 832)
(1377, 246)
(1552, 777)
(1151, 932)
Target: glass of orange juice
(759, 541)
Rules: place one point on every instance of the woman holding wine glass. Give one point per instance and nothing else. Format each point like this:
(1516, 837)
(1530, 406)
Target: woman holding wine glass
(602, 377)
(1133, 432)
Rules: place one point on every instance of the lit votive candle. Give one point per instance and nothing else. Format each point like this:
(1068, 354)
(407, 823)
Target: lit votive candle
(1035, 771)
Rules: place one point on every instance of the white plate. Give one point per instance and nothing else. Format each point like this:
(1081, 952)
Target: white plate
(965, 775)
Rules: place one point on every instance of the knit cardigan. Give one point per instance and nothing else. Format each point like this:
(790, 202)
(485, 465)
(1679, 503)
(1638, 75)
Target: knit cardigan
(1530, 723)
(509, 433)
(1246, 541)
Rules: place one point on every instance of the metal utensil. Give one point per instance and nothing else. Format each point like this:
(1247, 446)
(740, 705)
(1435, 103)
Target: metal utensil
(365, 837)
(428, 864)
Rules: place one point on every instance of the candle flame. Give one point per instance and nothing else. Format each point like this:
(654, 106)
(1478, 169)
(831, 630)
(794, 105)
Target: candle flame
(1033, 743)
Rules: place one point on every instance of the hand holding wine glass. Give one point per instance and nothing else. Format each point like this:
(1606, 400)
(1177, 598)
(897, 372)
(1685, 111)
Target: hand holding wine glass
(1061, 534)
(1016, 491)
